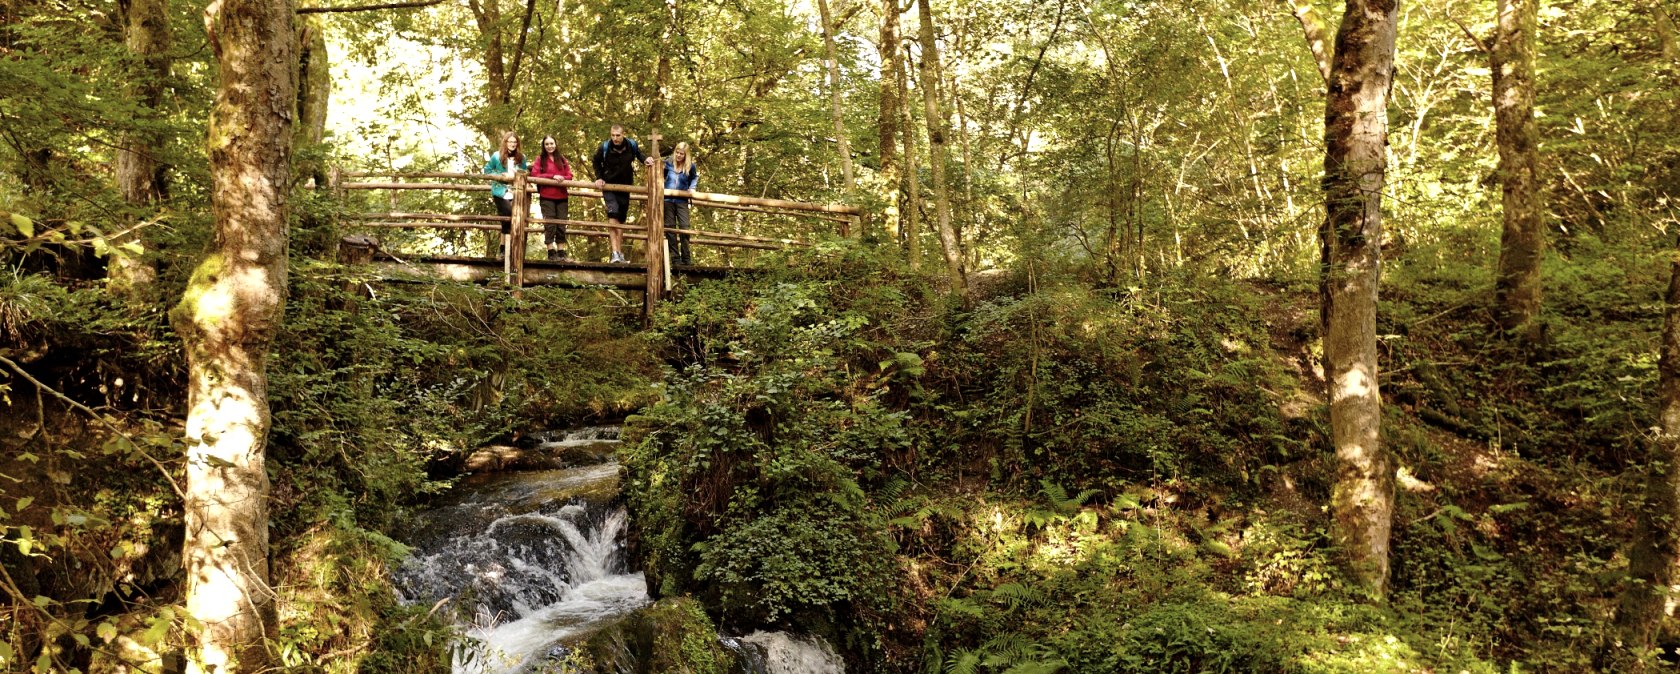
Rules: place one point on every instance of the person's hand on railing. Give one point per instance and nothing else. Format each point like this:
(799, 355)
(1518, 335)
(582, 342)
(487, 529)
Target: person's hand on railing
(600, 183)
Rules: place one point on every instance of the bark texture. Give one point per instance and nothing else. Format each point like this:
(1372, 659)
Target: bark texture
(227, 321)
(1313, 28)
(1522, 240)
(888, 116)
(1355, 158)
(1656, 544)
(140, 173)
(937, 151)
(912, 172)
(314, 90)
(140, 170)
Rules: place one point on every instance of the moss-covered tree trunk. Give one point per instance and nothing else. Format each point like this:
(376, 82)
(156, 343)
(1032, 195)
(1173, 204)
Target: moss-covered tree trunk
(887, 122)
(1522, 240)
(1656, 545)
(227, 321)
(314, 90)
(1355, 158)
(937, 151)
(140, 169)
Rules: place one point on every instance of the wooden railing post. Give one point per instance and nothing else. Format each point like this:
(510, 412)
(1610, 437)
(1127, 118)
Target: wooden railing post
(656, 253)
(516, 238)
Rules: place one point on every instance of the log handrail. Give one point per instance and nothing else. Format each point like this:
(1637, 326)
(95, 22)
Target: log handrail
(521, 224)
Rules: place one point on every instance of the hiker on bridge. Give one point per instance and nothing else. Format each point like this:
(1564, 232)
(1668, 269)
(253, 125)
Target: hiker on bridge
(680, 174)
(554, 199)
(504, 162)
(615, 162)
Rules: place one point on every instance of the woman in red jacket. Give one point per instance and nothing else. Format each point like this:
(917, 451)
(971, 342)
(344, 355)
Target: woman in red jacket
(555, 206)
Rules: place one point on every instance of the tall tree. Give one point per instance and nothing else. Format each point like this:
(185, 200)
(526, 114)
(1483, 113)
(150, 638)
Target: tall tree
(227, 320)
(912, 172)
(1522, 240)
(140, 170)
(888, 115)
(1656, 544)
(1355, 160)
(829, 25)
(501, 69)
(937, 152)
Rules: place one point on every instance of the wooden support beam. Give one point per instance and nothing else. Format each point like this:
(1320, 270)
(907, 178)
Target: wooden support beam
(657, 259)
(517, 238)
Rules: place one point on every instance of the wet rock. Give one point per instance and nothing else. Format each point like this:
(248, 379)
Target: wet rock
(672, 636)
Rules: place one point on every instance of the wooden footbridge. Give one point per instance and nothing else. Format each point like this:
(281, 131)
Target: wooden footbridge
(654, 274)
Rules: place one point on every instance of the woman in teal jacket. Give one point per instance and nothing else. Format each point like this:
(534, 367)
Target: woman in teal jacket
(505, 162)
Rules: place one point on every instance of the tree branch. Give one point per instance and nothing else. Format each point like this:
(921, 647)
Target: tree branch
(1312, 25)
(107, 423)
(368, 8)
(1479, 42)
(519, 48)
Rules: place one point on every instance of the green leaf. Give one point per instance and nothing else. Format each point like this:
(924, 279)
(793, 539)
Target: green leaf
(107, 631)
(24, 503)
(24, 225)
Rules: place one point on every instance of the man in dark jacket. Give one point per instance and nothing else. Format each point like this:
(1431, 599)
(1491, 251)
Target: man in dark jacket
(615, 163)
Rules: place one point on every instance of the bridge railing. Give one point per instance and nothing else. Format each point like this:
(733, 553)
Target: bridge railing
(649, 228)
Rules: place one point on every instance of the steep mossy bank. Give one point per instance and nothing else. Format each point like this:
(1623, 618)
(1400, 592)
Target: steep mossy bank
(1055, 478)
(380, 394)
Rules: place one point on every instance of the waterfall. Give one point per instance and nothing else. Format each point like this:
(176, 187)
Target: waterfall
(533, 562)
(530, 560)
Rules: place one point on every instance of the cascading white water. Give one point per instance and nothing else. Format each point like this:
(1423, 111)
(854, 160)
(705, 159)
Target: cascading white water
(783, 653)
(533, 561)
(533, 558)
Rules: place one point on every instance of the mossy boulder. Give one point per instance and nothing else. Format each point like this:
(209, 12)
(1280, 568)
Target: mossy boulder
(672, 636)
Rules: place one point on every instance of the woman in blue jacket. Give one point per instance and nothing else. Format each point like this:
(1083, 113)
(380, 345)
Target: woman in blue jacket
(680, 174)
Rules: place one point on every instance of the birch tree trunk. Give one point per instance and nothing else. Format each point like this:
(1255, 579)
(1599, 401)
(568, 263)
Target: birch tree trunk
(1656, 543)
(937, 151)
(833, 59)
(1355, 158)
(1522, 241)
(888, 115)
(227, 321)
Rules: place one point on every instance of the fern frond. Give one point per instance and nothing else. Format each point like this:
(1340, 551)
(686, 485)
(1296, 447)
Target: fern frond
(1007, 649)
(1083, 496)
(1038, 667)
(962, 606)
(1016, 595)
(1054, 492)
(966, 662)
(894, 489)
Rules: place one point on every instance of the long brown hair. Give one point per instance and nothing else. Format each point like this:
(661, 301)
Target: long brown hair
(543, 154)
(518, 156)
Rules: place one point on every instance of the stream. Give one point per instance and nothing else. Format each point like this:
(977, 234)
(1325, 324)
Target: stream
(535, 561)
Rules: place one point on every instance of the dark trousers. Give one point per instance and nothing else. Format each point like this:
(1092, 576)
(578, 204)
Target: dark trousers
(555, 234)
(676, 216)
